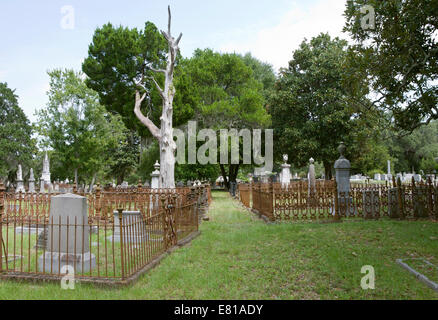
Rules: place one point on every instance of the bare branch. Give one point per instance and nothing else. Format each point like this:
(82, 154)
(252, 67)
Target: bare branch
(179, 39)
(160, 91)
(166, 36)
(170, 20)
(157, 70)
(145, 120)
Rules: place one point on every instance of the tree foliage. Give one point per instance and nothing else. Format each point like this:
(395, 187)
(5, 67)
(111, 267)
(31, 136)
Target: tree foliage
(228, 95)
(399, 57)
(117, 57)
(313, 108)
(16, 143)
(76, 127)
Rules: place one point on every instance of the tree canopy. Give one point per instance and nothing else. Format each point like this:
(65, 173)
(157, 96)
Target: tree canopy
(398, 57)
(228, 94)
(16, 143)
(312, 109)
(77, 128)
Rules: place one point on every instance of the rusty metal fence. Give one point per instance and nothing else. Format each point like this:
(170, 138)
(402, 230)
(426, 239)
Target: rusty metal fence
(123, 235)
(323, 202)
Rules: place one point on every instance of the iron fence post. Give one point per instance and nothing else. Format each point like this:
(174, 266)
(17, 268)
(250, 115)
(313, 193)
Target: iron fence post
(122, 257)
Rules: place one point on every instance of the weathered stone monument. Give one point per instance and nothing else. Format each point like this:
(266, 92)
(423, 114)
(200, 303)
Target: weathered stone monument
(389, 175)
(312, 178)
(31, 182)
(68, 236)
(155, 176)
(45, 175)
(20, 184)
(285, 175)
(342, 168)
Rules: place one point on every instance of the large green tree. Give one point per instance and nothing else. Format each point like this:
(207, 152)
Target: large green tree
(16, 143)
(77, 127)
(312, 108)
(398, 55)
(142, 65)
(228, 96)
(116, 57)
(416, 151)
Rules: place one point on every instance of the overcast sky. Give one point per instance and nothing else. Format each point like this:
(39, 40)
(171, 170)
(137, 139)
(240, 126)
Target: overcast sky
(33, 39)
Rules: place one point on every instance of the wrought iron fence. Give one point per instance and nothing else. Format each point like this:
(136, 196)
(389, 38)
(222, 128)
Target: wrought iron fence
(298, 201)
(123, 237)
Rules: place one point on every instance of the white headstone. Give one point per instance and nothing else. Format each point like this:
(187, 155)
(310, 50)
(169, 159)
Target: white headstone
(20, 185)
(155, 177)
(285, 175)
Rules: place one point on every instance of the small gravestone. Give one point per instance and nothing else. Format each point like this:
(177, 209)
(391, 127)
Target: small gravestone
(180, 184)
(68, 236)
(133, 227)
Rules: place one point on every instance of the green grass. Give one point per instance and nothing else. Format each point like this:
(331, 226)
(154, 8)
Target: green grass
(238, 256)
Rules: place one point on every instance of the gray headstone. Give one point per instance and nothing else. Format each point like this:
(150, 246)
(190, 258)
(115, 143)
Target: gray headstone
(180, 184)
(63, 236)
(133, 227)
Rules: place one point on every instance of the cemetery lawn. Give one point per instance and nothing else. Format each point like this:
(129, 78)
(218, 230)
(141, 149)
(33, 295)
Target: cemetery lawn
(238, 256)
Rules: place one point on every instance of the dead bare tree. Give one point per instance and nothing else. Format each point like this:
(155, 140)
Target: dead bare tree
(164, 134)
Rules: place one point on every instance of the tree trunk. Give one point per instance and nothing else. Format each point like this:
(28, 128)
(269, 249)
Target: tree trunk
(164, 135)
(234, 170)
(168, 148)
(92, 183)
(120, 178)
(76, 178)
(328, 171)
(224, 175)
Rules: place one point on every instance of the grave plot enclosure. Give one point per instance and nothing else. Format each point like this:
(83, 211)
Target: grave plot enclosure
(106, 237)
(325, 201)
